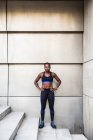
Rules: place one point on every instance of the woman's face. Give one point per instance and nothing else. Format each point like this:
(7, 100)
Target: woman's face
(47, 67)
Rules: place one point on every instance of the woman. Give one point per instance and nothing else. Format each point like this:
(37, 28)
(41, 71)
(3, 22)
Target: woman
(47, 92)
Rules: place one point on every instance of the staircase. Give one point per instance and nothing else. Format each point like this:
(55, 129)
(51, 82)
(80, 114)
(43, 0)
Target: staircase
(16, 126)
(9, 122)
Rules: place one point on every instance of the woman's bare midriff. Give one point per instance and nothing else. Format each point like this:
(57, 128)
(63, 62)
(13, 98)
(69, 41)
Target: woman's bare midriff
(47, 86)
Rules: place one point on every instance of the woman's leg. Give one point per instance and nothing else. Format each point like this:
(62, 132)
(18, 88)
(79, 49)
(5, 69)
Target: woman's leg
(51, 99)
(43, 103)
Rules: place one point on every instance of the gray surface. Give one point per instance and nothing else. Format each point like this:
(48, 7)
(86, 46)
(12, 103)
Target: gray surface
(28, 129)
(2, 15)
(88, 69)
(53, 134)
(3, 80)
(88, 116)
(3, 47)
(40, 48)
(3, 101)
(78, 137)
(88, 30)
(88, 78)
(58, 134)
(4, 110)
(45, 16)
(63, 134)
(10, 124)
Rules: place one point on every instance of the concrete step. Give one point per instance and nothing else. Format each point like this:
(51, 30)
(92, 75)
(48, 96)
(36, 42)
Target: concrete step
(28, 129)
(48, 133)
(78, 137)
(63, 134)
(9, 125)
(4, 110)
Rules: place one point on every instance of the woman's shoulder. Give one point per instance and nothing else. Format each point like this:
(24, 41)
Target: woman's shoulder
(42, 73)
(53, 74)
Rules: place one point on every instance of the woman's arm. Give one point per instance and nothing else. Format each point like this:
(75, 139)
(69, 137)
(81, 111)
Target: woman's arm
(58, 81)
(36, 81)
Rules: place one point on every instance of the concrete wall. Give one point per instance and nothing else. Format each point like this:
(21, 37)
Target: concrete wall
(32, 33)
(88, 69)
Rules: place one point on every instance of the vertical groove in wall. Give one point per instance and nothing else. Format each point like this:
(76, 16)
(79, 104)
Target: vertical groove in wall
(6, 30)
(83, 16)
(7, 57)
(8, 87)
(89, 115)
(83, 96)
(83, 32)
(7, 47)
(6, 15)
(83, 66)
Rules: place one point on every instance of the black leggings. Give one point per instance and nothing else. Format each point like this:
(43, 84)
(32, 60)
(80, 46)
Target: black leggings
(47, 94)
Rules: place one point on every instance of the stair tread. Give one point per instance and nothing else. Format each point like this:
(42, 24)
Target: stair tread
(49, 133)
(28, 129)
(4, 110)
(78, 137)
(10, 124)
(64, 134)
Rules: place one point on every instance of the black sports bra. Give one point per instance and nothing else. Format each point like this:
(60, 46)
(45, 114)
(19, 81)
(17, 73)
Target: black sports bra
(47, 79)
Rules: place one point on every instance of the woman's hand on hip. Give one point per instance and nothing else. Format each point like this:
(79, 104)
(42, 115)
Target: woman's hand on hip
(41, 89)
(53, 89)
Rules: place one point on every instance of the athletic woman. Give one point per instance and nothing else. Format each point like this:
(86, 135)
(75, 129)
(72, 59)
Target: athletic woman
(47, 92)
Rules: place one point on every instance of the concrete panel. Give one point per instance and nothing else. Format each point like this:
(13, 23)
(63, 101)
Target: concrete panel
(3, 48)
(38, 48)
(45, 15)
(3, 101)
(2, 15)
(88, 78)
(88, 116)
(68, 111)
(3, 80)
(21, 80)
(91, 118)
(88, 30)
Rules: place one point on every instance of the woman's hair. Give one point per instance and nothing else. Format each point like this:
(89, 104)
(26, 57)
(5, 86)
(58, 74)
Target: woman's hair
(46, 63)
